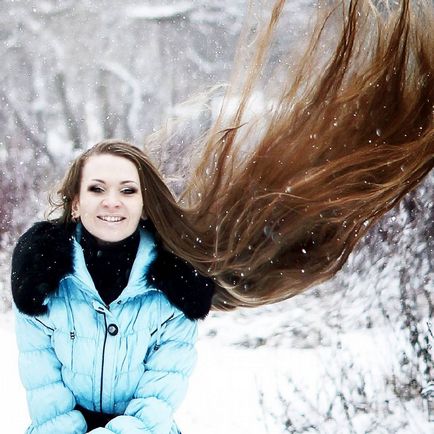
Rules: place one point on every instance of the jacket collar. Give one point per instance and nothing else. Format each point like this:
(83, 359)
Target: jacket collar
(137, 283)
(45, 254)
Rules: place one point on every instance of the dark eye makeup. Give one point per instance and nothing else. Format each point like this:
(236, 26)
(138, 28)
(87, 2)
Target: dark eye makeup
(129, 190)
(99, 189)
(95, 188)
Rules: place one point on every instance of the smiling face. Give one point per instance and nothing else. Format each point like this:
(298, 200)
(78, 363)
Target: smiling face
(110, 202)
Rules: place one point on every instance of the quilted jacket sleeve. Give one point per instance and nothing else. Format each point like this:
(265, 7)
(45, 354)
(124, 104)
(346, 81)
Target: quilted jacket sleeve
(51, 404)
(163, 384)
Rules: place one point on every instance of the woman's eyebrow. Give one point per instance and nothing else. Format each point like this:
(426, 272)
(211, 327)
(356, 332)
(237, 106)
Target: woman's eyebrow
(122, 182)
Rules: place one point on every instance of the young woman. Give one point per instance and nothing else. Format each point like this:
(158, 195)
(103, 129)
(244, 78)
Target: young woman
(275, 205)
(105, 317)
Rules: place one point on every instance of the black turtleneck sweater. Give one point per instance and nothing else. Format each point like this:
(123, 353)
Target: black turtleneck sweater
(109, 264)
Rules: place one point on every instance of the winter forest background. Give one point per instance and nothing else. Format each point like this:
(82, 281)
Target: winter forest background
(351, 356)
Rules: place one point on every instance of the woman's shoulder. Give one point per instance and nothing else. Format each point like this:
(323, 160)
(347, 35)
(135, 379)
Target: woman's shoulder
(42, 256)
(181, 283)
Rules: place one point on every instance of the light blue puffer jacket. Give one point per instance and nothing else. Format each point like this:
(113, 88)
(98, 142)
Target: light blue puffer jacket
(132, 358)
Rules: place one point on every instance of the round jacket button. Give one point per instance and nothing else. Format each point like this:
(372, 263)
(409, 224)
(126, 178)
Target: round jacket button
(113, 329)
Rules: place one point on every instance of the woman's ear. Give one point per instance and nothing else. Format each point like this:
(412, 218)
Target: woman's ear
(75, 209)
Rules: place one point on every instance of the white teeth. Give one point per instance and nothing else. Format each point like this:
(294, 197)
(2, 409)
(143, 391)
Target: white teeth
(111, 219)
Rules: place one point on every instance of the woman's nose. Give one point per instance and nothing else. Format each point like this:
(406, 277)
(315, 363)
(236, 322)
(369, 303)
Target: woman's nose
(111, 200)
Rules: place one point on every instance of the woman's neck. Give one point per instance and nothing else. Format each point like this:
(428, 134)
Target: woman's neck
(109, 263)
(95, 243)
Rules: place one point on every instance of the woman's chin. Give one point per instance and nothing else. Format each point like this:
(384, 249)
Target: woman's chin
(112, 232)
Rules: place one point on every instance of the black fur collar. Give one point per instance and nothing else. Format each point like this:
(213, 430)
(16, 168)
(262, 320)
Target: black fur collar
(43, 255)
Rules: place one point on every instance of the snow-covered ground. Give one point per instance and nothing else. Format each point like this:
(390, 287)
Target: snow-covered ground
(237, 389)
(12, 397)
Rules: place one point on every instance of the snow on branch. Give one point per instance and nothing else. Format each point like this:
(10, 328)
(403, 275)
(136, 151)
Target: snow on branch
(137, 92)
(160, 12)
(123, 74)
(48, 8)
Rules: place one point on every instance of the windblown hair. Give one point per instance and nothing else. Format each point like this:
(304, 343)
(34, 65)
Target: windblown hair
(276, 205)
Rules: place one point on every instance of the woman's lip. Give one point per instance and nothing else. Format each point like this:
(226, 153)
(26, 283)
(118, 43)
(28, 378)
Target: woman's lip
(111, 219)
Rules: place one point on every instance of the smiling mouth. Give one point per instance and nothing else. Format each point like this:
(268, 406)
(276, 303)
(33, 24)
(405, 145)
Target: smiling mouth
(111, 219)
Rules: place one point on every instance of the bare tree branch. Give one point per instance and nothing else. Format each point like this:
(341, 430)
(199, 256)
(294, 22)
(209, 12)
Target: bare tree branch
(72, 124)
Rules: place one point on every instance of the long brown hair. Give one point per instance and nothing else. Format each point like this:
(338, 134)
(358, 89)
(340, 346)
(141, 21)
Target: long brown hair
(344, 141)
(277, 204)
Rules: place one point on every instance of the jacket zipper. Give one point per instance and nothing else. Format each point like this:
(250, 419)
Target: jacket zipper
(72, 336)
(49, 328)
(163, 323)
(157, 343)
(102, 361)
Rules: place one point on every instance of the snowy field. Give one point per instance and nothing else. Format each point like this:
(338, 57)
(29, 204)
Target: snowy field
(331, 367)
(237, 389)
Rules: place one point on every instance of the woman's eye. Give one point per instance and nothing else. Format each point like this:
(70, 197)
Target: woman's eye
(95, 189)
(129, 190)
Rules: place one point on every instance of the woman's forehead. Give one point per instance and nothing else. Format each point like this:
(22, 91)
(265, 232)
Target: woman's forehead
(107, 167)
